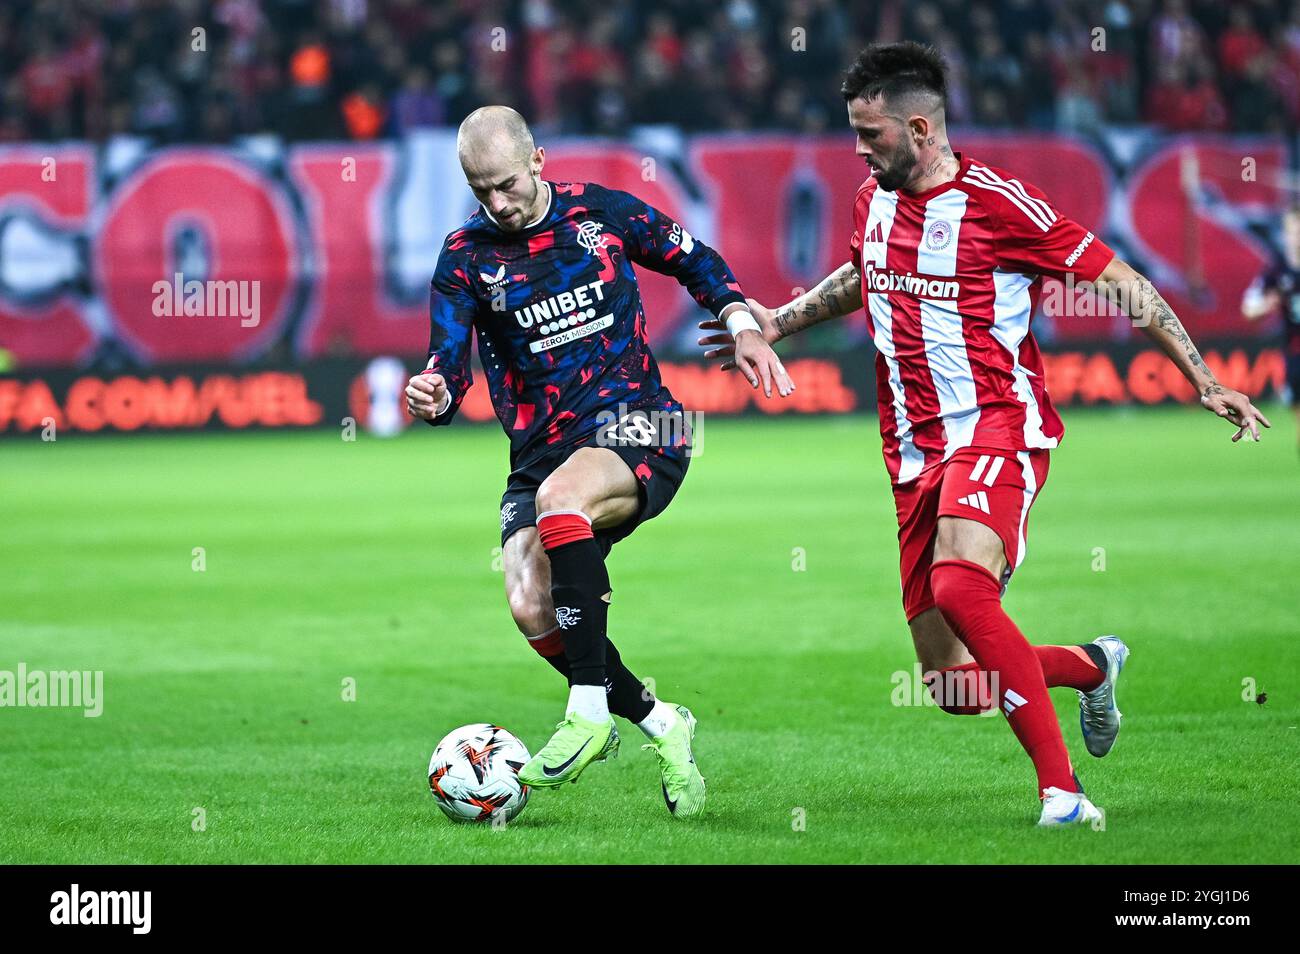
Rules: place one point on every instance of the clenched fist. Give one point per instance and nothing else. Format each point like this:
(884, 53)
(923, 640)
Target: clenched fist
(427, 396)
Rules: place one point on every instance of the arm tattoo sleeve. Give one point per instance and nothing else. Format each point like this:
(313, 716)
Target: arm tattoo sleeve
(838, 294)
(1160, 323)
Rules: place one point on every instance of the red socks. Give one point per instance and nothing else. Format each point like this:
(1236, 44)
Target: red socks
(558, 527)
(549, 643)
(964, 689)
(970, 600)
(1069, 666)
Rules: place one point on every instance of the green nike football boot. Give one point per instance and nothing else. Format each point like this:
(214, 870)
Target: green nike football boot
(680, 780)
(576, 744)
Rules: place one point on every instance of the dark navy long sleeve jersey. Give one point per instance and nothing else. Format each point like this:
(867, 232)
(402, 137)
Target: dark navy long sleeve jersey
(558, 313)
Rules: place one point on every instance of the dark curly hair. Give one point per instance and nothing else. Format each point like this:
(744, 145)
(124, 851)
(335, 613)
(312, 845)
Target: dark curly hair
(893, 70)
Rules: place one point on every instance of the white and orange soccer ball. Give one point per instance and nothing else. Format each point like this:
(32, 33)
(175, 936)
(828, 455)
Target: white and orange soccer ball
(474, 774)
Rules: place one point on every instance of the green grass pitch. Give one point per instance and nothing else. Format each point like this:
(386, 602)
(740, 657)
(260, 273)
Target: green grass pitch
(374, 561)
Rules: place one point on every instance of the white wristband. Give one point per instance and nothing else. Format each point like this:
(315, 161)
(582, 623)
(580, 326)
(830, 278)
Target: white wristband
(446, 403)
(742, 320)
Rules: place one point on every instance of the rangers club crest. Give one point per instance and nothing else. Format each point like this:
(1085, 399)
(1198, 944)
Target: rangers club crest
(589, 236)
(507, 514)
(566, 616)
(938, 235)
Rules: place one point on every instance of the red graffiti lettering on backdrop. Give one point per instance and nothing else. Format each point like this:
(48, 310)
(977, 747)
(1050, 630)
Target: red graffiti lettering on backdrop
(44, 203)
(776, 206)
(235, 227)
(1200, 251)
(351, 312)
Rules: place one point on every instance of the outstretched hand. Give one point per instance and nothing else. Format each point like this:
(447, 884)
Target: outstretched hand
(750, 351)
(1236, 407)
(726, 349)
(757, 361)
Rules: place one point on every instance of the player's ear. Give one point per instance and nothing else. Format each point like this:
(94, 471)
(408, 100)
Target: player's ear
(537, 161)
(920, 128)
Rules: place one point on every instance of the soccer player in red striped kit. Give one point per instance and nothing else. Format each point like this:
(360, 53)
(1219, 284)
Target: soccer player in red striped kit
(948, 255)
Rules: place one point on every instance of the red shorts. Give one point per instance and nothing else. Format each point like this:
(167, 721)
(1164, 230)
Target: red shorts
(995, 487)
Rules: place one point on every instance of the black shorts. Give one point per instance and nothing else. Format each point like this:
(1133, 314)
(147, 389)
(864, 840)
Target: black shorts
(658, 463)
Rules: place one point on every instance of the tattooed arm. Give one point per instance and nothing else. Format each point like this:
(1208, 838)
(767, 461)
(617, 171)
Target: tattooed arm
(836, 295)
(1150, 312)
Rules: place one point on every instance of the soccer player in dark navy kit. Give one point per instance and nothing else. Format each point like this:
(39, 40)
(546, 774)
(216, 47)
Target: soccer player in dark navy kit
(542, 273)
(1278, 291)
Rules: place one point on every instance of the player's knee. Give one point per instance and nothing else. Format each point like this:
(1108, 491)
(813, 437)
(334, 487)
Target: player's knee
(960, 587)
(560, 492)
(968, 541)
(947, 590)
(531, 609)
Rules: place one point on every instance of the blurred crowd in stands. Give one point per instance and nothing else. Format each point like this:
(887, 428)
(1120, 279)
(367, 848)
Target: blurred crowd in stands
(212, 70)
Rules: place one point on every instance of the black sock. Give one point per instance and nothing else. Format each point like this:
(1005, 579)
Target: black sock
(628, 697)
(626, 694)
(579, 583)
(1098, 657)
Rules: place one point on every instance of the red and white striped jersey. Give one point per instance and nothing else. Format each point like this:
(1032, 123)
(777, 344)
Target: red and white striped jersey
(950, 279)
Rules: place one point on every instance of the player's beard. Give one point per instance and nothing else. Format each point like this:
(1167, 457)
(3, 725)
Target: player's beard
(899, 171)
(526, 209)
